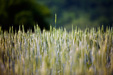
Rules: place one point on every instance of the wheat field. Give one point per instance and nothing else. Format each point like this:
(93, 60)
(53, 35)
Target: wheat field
(57, 52)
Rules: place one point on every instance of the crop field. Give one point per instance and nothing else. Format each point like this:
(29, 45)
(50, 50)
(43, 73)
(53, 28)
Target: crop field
(57, 52)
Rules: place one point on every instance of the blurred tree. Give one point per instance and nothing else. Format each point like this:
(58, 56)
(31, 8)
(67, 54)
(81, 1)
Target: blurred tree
(23, 12)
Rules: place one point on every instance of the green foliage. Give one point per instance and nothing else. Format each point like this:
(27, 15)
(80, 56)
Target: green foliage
(23, 12)
(57, 52)
(81, 13)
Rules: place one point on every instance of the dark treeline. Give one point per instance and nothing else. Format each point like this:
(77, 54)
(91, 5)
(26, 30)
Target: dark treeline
(23, 12)
(81, 13)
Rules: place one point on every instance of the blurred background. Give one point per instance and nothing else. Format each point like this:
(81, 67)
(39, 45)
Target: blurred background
(23, 12)
(80, 13)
